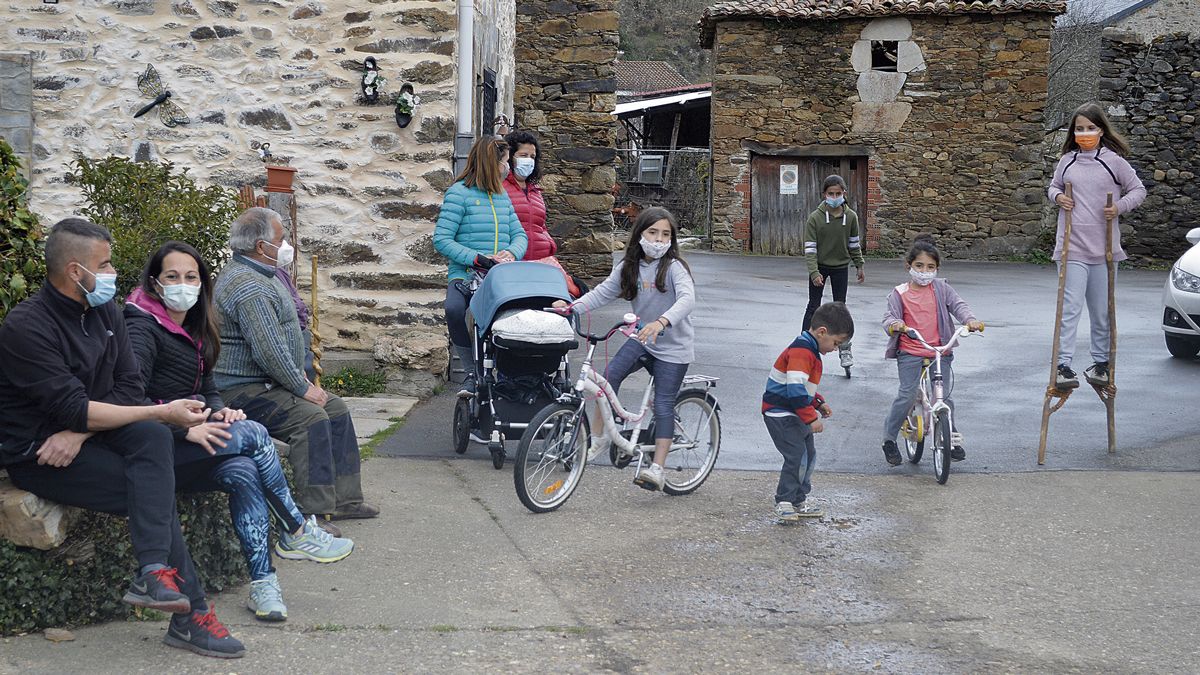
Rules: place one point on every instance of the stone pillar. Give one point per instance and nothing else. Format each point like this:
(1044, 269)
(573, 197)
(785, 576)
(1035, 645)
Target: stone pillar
(565, 92)
(16, 105)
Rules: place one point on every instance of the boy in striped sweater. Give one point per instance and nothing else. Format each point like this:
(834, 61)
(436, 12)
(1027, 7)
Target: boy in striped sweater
(792, 409)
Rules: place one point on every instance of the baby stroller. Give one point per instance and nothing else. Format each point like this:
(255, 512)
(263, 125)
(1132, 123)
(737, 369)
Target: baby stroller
(521, 352)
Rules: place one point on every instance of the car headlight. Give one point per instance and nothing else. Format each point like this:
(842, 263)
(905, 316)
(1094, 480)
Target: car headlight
(1184, 281)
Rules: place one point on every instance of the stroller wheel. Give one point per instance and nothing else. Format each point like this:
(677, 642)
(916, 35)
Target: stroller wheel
(497, 450)
(462, 425)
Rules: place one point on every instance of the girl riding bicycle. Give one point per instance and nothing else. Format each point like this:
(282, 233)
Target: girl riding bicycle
(658, 282)
(926, 303)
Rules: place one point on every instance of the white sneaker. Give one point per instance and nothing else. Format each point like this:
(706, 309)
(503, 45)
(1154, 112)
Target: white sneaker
(598, 446)
(846, 356)
(809, 511)
(786, 513)
(650, 478)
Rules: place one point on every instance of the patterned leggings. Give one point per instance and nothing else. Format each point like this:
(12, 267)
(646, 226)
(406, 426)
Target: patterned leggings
(248, 470)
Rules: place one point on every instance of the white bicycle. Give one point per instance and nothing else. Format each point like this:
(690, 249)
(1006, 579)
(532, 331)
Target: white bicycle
(553, 451)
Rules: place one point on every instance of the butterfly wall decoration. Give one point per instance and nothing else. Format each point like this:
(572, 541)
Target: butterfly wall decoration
(151, 86)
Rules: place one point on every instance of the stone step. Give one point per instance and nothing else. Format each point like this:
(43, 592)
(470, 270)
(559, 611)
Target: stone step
(402, 277)
(385, 308)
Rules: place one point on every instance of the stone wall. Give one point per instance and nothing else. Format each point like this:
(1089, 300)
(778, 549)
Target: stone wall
(953, 138)
(1163, 18)
(16, 104)
(565, 91)
(1152, 92)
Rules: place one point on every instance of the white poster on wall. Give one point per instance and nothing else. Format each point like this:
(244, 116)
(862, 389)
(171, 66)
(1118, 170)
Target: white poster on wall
(789, 179)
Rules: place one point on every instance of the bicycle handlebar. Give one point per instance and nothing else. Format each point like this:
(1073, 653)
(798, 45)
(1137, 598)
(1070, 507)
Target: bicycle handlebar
(625, 325)
(960, 333)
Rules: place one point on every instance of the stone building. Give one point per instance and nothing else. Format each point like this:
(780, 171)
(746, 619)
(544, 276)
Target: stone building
(932, 112)
(287, 72)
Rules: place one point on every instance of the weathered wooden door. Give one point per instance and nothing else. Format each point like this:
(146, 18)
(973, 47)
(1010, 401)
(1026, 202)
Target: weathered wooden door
(777, 219)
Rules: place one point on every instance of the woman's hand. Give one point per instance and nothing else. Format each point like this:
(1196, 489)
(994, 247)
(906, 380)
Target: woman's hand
(504, 256)
(229, 415)
(818, 280)
(210, 435)
(649, 333)
(1110, 212)
(1065, 202)
(560, 304)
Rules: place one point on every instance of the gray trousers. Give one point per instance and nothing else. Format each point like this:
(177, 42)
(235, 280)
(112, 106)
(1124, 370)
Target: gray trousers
(794, 440)
(909, 367)
(1085, 283)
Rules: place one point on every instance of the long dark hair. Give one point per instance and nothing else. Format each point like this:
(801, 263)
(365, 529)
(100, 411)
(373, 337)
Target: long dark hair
(201, 319)
(521, 137)
(1109, 139)
(634, 254)
(923, 243)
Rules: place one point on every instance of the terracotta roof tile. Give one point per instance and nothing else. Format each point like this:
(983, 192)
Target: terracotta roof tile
(826, 10)
(642, 76)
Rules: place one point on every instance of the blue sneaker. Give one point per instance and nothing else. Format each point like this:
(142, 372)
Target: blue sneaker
(266, 600)
(203, 634)
(313, 543)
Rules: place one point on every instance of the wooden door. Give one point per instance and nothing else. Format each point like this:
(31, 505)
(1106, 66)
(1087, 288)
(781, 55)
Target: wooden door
(776, 219)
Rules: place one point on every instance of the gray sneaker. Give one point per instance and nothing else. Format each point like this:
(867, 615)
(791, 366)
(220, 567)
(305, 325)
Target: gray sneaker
(313, 543)
(808, 510)
(846, 356)
(266, 600)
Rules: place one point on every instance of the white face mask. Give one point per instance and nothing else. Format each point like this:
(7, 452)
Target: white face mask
(179, 297)
(922, 278)
(523, 167)
(655, 249)
(285, 254)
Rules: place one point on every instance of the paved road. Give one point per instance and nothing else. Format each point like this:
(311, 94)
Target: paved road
(750, 307)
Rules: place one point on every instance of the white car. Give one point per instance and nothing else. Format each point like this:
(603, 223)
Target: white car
(1181, 299)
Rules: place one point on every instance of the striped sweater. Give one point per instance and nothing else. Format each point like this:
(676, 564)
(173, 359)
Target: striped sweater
(791, 386)
(832, 241)
(261, 340)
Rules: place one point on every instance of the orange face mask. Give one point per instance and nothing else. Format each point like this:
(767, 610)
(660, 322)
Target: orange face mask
(1087, 141)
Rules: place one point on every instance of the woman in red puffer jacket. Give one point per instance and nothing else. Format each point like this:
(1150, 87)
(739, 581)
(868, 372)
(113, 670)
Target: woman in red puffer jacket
(526, 194)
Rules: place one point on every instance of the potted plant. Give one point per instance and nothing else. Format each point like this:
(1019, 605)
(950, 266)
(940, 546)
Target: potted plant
(406, 103)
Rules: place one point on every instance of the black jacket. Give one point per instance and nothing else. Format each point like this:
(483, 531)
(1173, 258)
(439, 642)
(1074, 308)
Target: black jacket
(171, 366)
(56, 356)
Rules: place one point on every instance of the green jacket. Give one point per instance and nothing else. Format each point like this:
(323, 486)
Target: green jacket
(831, 241)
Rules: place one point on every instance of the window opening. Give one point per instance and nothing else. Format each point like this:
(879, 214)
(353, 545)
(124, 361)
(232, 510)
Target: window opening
(883, 55)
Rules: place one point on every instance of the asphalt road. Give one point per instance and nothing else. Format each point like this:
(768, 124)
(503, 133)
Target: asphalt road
(750, 307)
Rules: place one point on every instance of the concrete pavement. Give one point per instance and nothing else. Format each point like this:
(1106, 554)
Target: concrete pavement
(1053, 572)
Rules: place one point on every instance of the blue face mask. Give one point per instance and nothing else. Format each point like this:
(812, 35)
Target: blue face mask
(834, 202)
(106, 288)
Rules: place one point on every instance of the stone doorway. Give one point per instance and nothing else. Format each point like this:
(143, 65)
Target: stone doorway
(784, 189)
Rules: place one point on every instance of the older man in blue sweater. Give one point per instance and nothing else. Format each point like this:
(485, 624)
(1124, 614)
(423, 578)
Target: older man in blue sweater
(261, 371)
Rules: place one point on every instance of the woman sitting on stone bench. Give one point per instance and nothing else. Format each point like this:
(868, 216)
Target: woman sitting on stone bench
(172, 325)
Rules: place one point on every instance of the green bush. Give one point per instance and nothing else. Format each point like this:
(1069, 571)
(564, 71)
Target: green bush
(353, 382)
(145, 204)
(82, 580)
(22, 267)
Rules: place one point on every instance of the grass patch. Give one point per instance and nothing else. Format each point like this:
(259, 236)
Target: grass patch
(443, 628)
(147, 614)
(355, 383)
(570, 630)
(367, 450)
(327, 628)
(502, 629)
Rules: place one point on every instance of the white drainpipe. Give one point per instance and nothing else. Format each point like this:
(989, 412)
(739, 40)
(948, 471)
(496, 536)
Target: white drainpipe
(466, 83)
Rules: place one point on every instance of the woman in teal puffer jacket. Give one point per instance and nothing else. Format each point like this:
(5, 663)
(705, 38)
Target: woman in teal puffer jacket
(477, 221)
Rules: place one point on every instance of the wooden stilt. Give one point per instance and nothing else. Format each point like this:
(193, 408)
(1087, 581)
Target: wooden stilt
(314, 325)
(1052, 391)
(1109, 394)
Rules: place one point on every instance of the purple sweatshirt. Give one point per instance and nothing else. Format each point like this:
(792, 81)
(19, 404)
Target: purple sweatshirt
(949, 304)
(1092, 176)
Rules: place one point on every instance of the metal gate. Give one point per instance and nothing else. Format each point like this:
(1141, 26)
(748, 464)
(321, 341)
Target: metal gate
(784, 190)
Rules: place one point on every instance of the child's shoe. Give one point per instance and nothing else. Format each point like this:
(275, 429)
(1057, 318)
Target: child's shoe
(846, 356)
(1097, 374)
(313, 543)
(1066, 378)
(266, 599)
(957, 453)
(891, 453)
(786, 513)
(809, 511)
(650, 478)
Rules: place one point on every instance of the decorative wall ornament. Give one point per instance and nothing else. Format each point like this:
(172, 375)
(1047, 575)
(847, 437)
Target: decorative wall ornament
(372, 80)
(151, 86)
(406, 103)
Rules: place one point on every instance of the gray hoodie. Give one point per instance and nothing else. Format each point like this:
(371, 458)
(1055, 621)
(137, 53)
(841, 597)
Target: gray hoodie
(675, 305)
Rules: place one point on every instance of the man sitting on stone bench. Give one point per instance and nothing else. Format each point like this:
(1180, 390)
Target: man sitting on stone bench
(261, 371)
(73, 428)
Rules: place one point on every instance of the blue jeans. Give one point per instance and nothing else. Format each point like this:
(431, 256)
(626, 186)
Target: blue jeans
(248, 469)
(794, 440)
(668, 377)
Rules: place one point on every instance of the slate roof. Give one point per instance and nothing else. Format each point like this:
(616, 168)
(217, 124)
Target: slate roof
(645, 76)
(826, 10)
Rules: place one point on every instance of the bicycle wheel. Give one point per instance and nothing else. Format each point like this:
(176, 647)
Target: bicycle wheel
(912, 431)
(941, 447)
(462, 425)
(551, 457)
(696, 443)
